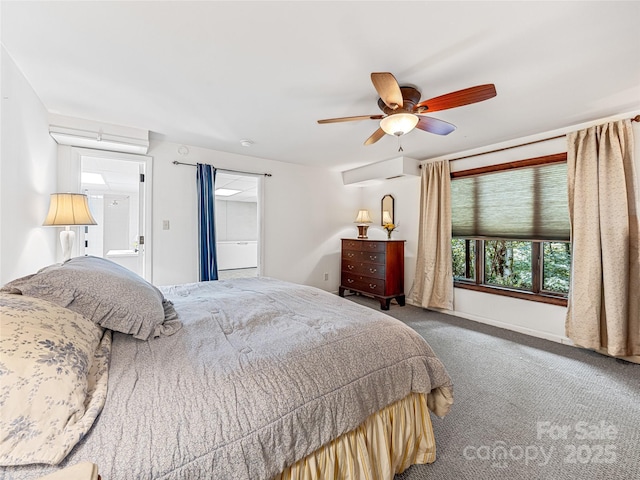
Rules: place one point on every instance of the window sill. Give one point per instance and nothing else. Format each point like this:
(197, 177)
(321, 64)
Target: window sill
(534, 297)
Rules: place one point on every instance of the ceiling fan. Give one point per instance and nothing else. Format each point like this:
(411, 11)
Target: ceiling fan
(403, 110)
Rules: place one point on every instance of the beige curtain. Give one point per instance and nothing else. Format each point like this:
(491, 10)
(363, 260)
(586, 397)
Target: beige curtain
(433, 283)
(604, 298)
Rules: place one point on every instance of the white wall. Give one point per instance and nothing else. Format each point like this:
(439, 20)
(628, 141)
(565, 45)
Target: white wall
(306, 212)
(27, 177)
(538, 319)
(236, 221)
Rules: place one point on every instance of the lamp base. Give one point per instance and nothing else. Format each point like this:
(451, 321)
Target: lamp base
(67, 238)
(362, 231)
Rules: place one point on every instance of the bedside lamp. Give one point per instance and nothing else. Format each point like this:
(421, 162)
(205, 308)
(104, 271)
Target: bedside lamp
(66, 210)
(362, 219)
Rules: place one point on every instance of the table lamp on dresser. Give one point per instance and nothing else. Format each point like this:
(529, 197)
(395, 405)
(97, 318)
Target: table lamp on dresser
(362, 219)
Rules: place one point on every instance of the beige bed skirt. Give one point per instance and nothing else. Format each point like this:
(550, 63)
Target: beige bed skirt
(386, 443)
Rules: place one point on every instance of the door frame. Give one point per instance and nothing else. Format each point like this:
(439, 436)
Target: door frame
(69, 180)
(259, 211)
(261, 255)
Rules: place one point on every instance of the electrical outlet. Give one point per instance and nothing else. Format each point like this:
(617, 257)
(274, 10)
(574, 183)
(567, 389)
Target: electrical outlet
(326, 276)
(165, 224)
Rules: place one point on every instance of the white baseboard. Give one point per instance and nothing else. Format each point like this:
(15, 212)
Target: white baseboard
(529, 331)
(508, 326)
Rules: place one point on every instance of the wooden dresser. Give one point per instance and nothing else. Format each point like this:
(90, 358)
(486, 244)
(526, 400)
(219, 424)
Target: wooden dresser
(375, 268)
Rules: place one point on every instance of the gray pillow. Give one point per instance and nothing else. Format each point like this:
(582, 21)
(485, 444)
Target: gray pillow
(105, 293)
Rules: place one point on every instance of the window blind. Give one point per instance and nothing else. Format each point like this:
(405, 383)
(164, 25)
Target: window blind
(529, 203)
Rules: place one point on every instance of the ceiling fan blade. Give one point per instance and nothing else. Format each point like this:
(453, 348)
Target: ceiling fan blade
(377, 135)
(387, 87)
(351, 119)
(433, 125)
(466, 96)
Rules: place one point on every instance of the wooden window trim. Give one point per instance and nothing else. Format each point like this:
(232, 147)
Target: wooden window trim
(529, 162)
(536, 268)
(467, 254)
(479, 280)
(507, 292)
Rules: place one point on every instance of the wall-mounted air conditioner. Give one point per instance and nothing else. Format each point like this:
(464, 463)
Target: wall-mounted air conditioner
(101, 136)
(385, 170)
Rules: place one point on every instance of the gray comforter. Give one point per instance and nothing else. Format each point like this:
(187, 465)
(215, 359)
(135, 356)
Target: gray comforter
(263, 373)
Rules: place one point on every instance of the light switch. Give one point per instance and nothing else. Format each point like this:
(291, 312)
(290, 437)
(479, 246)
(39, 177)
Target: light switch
(165, 224)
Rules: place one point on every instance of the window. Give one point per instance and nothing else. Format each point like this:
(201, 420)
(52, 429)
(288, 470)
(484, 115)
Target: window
(514, 268)
(464, 258)
(556, 267)
(510, 225)
(508, 264)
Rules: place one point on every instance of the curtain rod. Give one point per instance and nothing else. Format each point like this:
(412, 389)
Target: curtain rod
(634, 119)
(176, 162)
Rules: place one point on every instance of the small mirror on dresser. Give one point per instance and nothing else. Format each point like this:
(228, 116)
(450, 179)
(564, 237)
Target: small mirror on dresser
(386, 210)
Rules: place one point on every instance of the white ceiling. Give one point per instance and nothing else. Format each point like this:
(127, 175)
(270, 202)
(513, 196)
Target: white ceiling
(247, 186)
(120, 176)
(213, 73)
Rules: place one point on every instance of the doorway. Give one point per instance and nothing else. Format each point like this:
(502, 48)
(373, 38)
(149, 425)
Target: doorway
(116, 187)
(237, 225)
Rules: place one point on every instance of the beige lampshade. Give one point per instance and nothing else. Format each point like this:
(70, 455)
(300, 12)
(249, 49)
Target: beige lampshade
(69, 209)
(386, 217)
(363, 217)
(399, 123)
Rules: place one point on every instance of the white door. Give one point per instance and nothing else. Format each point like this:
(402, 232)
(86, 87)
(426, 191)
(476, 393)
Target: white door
(117, 190)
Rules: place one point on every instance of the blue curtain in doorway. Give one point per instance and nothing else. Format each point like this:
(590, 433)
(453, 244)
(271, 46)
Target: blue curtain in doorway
(206, 178)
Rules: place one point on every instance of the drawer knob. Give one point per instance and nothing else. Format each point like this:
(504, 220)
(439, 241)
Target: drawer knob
(350, 255)
(349, 280)
(350, 267)
(373, 270)
(372, 286)
(373, 257)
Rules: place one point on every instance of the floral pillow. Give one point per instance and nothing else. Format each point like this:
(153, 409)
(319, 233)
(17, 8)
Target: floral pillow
(54, 370)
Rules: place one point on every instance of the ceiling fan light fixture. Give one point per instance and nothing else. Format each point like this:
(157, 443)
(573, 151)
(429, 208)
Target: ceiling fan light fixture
(399, 123)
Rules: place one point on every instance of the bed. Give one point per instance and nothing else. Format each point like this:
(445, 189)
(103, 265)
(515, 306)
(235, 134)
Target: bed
(237, 379)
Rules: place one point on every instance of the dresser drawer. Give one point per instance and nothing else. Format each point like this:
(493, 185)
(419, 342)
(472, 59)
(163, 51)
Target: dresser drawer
(362, 283)
(363, 246)
(367, 269)
(351, 245)
(367, 257)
